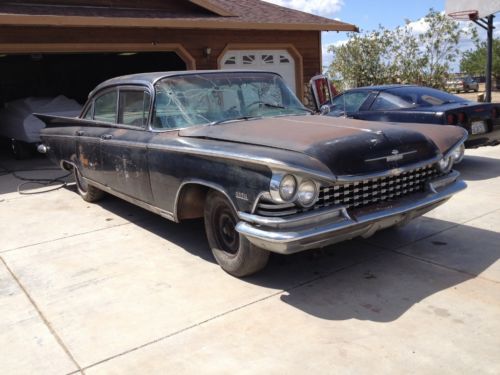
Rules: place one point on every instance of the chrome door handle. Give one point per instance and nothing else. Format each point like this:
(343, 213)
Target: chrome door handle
(80, 132)
(106, 137)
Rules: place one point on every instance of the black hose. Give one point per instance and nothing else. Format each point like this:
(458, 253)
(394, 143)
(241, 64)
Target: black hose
(36, 181)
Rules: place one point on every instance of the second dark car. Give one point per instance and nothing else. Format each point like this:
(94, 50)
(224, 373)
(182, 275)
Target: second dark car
(417, 104)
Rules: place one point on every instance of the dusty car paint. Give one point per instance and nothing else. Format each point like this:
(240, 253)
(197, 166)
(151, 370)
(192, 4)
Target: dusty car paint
(170, 172)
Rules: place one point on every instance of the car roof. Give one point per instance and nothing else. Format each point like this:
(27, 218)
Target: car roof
(149, 79)
(381, 87)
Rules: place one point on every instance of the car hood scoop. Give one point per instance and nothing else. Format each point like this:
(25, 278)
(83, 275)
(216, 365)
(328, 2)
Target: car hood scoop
(345, 146)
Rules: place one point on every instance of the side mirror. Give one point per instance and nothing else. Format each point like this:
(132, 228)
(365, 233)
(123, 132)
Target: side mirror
(322, 91)
(325, 109)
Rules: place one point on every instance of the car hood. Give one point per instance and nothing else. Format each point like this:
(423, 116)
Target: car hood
(346, 147)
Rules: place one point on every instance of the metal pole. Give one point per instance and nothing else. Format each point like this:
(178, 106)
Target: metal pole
(489, 59)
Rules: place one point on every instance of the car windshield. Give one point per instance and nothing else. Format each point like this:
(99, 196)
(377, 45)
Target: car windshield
(213, 98)
(414, 97)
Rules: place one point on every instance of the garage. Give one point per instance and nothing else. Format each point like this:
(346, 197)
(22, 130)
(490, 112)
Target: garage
(56, 48)
(74, 74)
(278, 61)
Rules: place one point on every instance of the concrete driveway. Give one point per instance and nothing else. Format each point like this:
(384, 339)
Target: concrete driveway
(109, 288)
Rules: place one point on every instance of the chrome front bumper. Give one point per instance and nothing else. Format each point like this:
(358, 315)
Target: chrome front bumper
(331, 225)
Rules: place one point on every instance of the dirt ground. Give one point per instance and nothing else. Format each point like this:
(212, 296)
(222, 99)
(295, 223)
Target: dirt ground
(495, 95)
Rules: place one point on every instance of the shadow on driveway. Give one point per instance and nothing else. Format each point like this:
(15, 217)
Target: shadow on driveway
(350, 280)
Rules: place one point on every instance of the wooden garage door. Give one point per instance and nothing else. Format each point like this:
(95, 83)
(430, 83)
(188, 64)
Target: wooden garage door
(278, 61)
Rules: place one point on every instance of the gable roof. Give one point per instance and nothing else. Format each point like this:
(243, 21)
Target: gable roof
(198, 14)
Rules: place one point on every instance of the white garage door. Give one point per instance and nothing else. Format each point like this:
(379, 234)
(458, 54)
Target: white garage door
(278, 61)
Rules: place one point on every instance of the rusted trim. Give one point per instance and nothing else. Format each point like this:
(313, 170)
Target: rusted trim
(178, 48)
(290, 48)
(208, 184)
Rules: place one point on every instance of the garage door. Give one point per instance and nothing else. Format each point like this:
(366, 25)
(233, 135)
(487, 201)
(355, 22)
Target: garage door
(278, 61)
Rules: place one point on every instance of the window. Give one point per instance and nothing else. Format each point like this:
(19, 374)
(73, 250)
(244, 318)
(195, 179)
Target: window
(134, 107)
(350, 101)
(388, 102)
(248, 59)
(267, 59)
(230, 60)
(89, 112)
(105, 107)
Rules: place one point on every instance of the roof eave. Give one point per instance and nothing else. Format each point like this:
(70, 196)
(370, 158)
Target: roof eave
(230, 23)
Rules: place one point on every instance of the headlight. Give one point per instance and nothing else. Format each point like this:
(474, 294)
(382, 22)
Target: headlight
(445, 164)
(288, 187)
(458, 153)
(307, 193)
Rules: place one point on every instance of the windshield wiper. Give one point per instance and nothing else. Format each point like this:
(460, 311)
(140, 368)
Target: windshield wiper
(233, 119)
(272, 105)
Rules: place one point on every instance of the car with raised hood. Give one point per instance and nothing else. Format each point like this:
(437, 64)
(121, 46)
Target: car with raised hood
(238, 149)
(413, 104)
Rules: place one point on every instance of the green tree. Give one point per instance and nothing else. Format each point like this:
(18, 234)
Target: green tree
(474, 62)
(401, 55)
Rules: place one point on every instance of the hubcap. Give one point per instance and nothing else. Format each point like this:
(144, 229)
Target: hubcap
(228, 238)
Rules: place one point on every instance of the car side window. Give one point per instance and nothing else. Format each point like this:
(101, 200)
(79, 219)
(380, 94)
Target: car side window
(350, 101)
(134, 107)
(388, 102)
(105, 107)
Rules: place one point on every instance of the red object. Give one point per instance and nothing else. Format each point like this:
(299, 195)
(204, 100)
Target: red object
(451, 119)
(494, 113)
(461, 117)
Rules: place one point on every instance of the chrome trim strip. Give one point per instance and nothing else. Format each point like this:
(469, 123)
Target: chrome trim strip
(163, 213)
(331, 231)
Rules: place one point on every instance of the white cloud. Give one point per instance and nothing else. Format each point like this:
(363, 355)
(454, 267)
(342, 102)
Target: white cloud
(319, 7)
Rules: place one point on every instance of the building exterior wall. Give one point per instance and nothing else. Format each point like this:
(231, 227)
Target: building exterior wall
(194, 43)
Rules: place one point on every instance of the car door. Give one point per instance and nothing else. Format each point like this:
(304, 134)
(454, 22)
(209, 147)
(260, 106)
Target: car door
(124, 147)
(102, 110)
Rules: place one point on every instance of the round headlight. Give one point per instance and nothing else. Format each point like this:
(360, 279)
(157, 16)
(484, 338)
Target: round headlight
(288, 187)
(307, 193)
(458, 154)
(445, 164)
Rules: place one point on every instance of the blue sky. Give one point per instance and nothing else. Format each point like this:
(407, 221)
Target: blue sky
(368, 14)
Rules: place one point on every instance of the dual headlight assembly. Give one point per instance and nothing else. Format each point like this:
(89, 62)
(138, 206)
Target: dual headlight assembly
(291, 189)
(455, 156)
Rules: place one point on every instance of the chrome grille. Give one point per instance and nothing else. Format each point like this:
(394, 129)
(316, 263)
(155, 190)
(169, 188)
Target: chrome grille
(364, 193)
(359, 194)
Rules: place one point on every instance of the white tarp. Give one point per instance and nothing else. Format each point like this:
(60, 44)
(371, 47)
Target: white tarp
(17, 120)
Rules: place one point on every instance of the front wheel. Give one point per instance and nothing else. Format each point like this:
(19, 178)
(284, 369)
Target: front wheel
(234, 253)
(88, 192)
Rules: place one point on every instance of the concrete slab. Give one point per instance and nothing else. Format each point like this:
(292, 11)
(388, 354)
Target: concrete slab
(473, 248)
(28, 346)
(392, 314)
(111, 291)
(46, 217)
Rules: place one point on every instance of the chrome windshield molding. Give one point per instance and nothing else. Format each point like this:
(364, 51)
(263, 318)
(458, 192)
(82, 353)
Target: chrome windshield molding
(443, 181)
(390, 172)
(163, 213)
(288, 240)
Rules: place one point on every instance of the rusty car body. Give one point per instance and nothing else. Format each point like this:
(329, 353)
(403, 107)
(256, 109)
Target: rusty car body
(238, 149)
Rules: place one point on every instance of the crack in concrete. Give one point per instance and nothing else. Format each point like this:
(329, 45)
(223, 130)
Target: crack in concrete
(44, 319)
(277, 293)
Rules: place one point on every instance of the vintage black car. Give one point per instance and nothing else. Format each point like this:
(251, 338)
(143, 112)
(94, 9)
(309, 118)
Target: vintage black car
(415, 104)
(238, 149)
